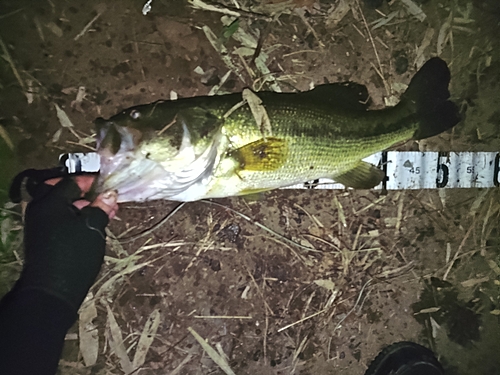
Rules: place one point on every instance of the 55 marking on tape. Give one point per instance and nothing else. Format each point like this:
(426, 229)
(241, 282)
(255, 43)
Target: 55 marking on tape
(403, 170)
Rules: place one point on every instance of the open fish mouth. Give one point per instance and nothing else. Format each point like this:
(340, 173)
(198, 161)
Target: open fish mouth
(129, 169)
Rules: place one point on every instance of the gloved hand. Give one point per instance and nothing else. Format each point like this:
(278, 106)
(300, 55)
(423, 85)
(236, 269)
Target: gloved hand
(64, 245)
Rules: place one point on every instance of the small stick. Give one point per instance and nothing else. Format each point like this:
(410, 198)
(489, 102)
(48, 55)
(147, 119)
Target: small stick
(316, 36)
(81, 144)
(359, 31)
(260, 43)
(136, 47)
(221, 317)
(374, 48)
(264, 344)
(154, 227)
(11, 63)
(301, 51)
(168, 125)
(178, 369)
(355, 305)
(400, 214)
(11, 13)
(249, 70)
(301, 320)
(266, 305)
(89, 25)
(455, 257)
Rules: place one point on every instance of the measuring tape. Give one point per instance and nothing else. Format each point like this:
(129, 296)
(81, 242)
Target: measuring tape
(403, 170)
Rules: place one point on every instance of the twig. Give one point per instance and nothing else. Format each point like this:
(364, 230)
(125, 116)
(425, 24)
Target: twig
(355, 304)
(11, 13)
(373, 204)
(168, 125)
(221, 317)
(81, 144)
(311, 29)
(260, 43)
(89, 25)
(301, 320)
(136, 47)
(335, 247)
(455, 257)
(178, 369)
(264, 344)
(154, 227)
(11, 63)
(266, 305)
(198, 4)
(299, 349)
(299, 52)
(400, 213)
(374, 48)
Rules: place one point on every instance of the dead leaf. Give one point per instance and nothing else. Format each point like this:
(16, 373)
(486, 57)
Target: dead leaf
(429, 310)
(327, 284)
(55, 29)
(89, 338)
(494, 266)
(473, 282)
(146, 339)
(259, 112)
(343, 7)
(116, 343)
(63, 117)
(5, 136)
(414, 10)
(216, 357)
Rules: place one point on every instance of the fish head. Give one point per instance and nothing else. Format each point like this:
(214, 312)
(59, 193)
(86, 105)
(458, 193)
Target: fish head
(144, 159)
(127, 128)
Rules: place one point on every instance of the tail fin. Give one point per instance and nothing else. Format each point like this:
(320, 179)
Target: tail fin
(428, 92)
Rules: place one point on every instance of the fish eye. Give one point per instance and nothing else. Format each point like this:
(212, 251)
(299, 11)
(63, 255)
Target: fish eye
(135, 114)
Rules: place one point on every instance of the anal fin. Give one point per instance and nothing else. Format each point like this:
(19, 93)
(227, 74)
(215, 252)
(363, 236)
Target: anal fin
(363, 176)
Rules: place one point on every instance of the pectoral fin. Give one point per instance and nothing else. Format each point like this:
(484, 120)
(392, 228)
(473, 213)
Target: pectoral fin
(363, 176)
(263, 155)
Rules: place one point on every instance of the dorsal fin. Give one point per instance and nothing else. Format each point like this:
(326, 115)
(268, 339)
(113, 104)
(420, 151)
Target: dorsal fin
(348, 95)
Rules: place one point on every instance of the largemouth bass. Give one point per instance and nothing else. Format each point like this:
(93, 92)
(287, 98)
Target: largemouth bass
(216, 146)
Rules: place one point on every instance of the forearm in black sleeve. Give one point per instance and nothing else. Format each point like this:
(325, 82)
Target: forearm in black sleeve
(33, 324)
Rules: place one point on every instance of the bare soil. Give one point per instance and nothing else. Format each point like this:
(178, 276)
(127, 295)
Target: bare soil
(421, 266)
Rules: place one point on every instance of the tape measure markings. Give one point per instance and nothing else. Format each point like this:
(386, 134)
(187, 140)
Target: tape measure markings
(403, 170)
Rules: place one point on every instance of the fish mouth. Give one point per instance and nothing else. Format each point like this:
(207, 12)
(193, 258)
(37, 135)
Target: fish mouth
(112, 138)
(127, 168)
(107, 136)
(116, 146)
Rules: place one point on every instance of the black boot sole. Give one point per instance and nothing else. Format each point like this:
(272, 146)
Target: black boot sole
(405, 358)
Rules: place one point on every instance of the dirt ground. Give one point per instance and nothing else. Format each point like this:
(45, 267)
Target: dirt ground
(407, 265)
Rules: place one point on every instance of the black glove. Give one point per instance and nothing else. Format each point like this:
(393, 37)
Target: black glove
(64, 246)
